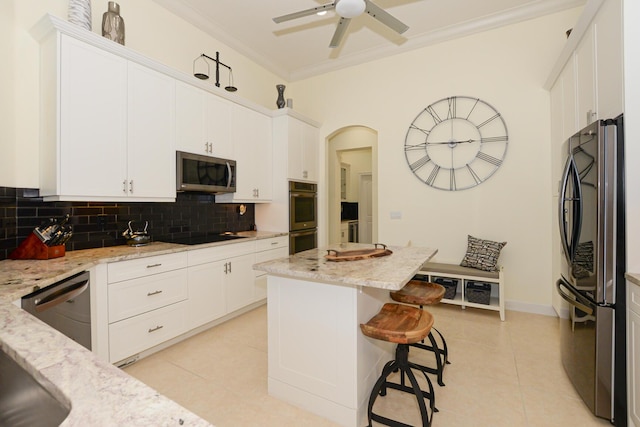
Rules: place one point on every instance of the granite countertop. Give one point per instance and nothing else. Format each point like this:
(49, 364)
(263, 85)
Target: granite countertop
(97, 392)
(390, 272)
(633, 278)
(18, 277)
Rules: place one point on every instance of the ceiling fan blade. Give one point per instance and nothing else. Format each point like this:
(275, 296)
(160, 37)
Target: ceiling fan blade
(386, 18)
(303, 13)
(339, 34)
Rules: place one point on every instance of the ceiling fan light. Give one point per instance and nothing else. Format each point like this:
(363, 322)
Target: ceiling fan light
(350, 8)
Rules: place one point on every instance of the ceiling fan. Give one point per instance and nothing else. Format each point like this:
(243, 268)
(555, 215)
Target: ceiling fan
(348, 9)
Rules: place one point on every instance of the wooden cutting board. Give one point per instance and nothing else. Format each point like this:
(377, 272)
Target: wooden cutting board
(357, 254)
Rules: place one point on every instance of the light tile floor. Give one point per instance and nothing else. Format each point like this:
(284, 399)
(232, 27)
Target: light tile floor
(502, 374)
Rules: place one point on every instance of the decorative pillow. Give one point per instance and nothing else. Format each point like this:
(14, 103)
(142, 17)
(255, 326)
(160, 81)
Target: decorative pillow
(482, 254)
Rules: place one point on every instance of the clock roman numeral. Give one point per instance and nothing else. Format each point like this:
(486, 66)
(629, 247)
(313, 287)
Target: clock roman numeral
(434, 115)
(432, 176)
(501, 138)
(426, 132)
(490, 119)
(452, 108)
(473, 173)
(420, 163)
(489, 159)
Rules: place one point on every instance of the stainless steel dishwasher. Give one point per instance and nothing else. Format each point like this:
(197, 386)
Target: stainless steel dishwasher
(65, 306)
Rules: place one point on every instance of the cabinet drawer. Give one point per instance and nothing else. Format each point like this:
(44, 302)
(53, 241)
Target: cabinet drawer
(276, 242)
(125, 270)
(216, 253)
(132, 297)
(633, 297)
(268, 256)
(142, 332)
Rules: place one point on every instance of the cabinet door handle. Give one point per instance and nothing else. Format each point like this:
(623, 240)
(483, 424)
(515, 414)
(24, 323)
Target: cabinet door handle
(157, 328)
(131, 186)
(304, 174)
(226, 268)
(206, 147)
(229, 267)
(154, 293)
(124, 186)
(154, 265)
(274, 243)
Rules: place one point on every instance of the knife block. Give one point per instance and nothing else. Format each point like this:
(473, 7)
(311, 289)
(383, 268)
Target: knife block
(33, 248)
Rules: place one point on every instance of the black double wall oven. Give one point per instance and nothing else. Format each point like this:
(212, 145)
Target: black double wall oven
(303, 216)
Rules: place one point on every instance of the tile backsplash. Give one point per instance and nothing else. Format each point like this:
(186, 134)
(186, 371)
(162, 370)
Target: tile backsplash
(21, 210)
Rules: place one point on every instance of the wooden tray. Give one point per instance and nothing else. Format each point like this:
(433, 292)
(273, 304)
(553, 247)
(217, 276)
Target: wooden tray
(357, 254)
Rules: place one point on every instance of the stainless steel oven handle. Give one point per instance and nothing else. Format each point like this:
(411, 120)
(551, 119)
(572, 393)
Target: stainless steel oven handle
(60, 296)
(230, 175)
(573, 302)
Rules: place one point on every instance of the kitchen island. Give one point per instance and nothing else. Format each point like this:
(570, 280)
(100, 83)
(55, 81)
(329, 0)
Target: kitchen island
(318, 359)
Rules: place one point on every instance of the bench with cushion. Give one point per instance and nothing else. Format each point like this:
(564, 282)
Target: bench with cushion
(464, 275)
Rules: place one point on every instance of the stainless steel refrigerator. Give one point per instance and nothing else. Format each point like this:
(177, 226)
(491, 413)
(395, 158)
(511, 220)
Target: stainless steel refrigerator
(592, 231)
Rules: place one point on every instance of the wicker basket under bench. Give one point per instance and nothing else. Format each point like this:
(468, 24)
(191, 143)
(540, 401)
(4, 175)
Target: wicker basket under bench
(468, 287)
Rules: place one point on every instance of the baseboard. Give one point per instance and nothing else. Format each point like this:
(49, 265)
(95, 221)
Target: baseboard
(545, 310)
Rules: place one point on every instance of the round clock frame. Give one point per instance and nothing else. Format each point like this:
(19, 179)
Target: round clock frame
(456, 143)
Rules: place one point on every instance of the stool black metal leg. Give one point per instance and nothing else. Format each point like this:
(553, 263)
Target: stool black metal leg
(402, 364)
(444, 347)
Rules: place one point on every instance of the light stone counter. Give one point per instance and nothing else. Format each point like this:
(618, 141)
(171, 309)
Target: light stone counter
(98, 393)
(390, 272)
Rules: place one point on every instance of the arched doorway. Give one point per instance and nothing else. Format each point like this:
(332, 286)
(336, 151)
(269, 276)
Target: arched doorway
(352, 159)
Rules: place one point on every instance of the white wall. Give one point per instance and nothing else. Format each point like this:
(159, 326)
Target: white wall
(507, 68)
(149, 29)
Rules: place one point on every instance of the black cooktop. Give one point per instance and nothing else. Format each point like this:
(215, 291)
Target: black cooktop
(199, 239)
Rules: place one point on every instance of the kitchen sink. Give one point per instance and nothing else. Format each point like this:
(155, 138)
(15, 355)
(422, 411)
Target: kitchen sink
(24, 401)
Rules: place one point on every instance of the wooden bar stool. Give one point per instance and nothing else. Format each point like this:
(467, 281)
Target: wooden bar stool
(421, 293)
(403, 325)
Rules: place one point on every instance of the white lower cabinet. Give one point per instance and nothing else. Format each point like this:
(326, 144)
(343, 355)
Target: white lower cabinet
(139, 333)
(220, 281)
(266, 250)
(155, 299)
(633, 354)
(147, 300)
(206, 293)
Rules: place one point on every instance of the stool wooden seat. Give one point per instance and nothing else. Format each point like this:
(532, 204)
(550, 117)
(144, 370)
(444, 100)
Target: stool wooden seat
(419, 293)
(403, 325)
(422, 293)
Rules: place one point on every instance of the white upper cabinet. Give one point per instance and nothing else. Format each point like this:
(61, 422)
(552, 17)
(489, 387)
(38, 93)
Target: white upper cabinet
(89, 155)
(150, 140)
(597, 65)
(609, 66)
(107, 126)
(253, 144)
(300, 141)
(586, 80)
(203, 122)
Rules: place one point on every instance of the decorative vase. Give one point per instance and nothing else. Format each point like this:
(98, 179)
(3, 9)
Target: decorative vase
(113, 24)
(80, 13)
(280, 102)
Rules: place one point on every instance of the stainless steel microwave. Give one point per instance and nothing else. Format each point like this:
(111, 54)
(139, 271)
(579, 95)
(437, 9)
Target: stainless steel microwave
(207, 174)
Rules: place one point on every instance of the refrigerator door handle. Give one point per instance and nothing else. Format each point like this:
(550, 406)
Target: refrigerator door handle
(573, 301)
(570, 172)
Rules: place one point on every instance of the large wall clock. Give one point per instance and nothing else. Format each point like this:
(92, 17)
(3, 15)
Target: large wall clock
(456, 143)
